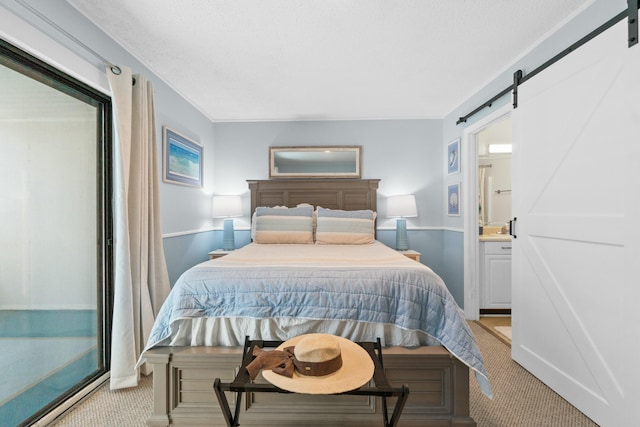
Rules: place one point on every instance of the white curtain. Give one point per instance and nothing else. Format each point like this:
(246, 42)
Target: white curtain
(140, 270)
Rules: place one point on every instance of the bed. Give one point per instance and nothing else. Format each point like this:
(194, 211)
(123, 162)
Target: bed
(342, 281)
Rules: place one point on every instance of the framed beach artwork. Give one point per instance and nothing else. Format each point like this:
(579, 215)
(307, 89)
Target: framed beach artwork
(453, 199)
(181, 159)
(453, 156)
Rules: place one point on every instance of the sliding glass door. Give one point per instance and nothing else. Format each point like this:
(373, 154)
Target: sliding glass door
(55, 234)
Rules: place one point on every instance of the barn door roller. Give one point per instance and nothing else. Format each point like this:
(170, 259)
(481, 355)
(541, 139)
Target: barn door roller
(517, 79)
(632, 17)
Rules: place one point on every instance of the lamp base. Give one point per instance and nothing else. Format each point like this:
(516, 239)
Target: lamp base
(228, 240)
(402, 243)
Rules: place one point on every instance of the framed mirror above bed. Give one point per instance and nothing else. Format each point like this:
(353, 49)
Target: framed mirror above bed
(315, 162)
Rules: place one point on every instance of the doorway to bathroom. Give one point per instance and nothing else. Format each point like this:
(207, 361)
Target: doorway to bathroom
(487, 243)
(494, 213)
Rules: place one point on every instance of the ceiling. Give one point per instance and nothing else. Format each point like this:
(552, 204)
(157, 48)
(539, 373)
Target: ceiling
(260, 60)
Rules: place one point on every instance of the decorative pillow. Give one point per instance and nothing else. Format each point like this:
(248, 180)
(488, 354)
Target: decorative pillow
(338, 227)
(284, 225)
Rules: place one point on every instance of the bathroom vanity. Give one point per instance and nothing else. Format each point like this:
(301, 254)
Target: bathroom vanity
(495, 271)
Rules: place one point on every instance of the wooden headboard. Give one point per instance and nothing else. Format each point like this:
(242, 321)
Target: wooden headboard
(346, 194)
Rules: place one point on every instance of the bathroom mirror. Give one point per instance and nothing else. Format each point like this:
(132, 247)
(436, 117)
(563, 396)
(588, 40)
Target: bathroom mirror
(494, 175)
(315, 162)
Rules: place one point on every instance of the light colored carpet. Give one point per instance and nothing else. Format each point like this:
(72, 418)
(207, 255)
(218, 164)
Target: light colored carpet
(113, 408)
(520, 400)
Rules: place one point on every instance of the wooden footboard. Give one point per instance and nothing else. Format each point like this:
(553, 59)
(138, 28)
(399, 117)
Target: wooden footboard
(183, 392)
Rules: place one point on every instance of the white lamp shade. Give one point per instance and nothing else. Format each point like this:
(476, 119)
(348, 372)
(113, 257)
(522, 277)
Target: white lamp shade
(227, 206)
(402, 206)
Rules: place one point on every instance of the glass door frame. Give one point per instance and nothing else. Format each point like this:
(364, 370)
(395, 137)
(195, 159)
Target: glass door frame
(40, 71)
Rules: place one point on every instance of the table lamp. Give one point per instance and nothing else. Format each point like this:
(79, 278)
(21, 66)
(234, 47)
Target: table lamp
(227, 207)
(401, 207)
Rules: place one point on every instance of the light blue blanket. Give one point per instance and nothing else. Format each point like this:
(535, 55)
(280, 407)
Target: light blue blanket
(411, 299)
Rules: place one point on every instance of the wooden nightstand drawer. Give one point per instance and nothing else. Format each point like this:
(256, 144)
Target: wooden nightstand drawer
(414, 255)
(218, 253)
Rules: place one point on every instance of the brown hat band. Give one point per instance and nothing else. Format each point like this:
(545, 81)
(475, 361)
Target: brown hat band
(284, 362)
(318, 369)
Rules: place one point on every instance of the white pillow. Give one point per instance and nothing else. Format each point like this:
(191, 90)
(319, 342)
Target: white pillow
(283, 225)
(339, 227)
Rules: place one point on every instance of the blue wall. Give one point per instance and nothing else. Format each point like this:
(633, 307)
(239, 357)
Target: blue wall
(186, 250)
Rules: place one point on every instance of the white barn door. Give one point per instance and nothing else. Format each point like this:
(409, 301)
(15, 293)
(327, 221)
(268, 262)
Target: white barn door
(576, 257)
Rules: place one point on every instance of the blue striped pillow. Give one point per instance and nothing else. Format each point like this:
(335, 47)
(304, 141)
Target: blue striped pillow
(284, 225)
(338, 227)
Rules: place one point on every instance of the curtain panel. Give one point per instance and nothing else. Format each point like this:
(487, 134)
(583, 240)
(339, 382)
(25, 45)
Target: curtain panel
(141, 280)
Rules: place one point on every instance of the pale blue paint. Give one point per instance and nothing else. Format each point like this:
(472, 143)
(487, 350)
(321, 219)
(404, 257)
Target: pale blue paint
(406, 155)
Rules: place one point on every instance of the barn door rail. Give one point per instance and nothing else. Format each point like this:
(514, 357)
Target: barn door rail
(519, 77)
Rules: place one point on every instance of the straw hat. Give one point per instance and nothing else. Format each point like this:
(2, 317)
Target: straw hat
(356, 369)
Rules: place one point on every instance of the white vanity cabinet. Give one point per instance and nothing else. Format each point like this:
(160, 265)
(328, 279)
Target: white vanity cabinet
(495, 275)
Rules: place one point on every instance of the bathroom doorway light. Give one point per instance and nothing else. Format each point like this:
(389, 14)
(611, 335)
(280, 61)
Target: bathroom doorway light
(499, 148)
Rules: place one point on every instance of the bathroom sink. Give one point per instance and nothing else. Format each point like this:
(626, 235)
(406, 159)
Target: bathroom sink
(495, 235)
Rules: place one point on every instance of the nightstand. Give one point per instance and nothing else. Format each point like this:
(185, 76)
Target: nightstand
(218, 253)
(414, 255)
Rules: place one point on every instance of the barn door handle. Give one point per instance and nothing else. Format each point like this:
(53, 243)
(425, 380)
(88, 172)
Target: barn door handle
(512, 227)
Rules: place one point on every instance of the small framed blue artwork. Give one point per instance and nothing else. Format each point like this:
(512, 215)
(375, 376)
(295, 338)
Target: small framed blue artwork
(453, 200)
(453, 156)
(181, 159)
